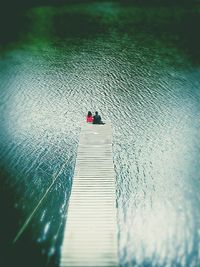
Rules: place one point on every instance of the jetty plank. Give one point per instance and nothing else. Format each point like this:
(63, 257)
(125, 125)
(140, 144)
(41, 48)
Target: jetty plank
(90, 237)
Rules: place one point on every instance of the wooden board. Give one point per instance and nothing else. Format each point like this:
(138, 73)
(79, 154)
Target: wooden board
(90, 237)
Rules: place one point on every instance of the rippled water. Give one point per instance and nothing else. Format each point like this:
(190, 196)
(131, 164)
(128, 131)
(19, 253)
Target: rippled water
(151, 95)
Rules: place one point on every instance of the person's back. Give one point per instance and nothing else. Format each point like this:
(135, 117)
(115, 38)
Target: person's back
(97, 119)
(89, 117)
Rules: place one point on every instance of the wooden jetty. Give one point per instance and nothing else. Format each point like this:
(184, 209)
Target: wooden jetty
(90, 237)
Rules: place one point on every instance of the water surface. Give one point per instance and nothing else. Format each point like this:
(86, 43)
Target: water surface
(149, 90)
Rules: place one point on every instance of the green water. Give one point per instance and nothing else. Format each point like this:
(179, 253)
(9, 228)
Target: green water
(139, 67)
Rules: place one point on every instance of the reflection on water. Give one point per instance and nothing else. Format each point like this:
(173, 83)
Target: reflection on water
(151, 95)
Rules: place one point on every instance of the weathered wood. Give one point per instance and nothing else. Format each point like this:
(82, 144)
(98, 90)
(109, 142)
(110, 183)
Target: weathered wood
(90, 237)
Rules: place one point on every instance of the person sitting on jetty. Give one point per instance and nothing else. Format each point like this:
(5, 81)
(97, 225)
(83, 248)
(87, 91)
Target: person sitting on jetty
(89, 117)
(97, 119)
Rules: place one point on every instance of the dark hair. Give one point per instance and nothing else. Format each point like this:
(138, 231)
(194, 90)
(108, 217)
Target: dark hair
(96, 112)
(89, 114)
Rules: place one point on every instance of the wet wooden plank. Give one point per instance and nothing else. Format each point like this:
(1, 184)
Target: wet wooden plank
(90, 237)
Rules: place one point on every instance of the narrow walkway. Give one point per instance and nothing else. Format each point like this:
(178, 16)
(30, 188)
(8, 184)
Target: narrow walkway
(90, 237)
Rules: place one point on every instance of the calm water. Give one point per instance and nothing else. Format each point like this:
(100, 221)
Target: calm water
(148, 89)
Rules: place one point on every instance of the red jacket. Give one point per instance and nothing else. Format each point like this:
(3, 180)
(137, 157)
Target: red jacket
(89, 119)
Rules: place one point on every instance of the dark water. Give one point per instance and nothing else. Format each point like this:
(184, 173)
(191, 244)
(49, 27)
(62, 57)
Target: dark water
(99, 57)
